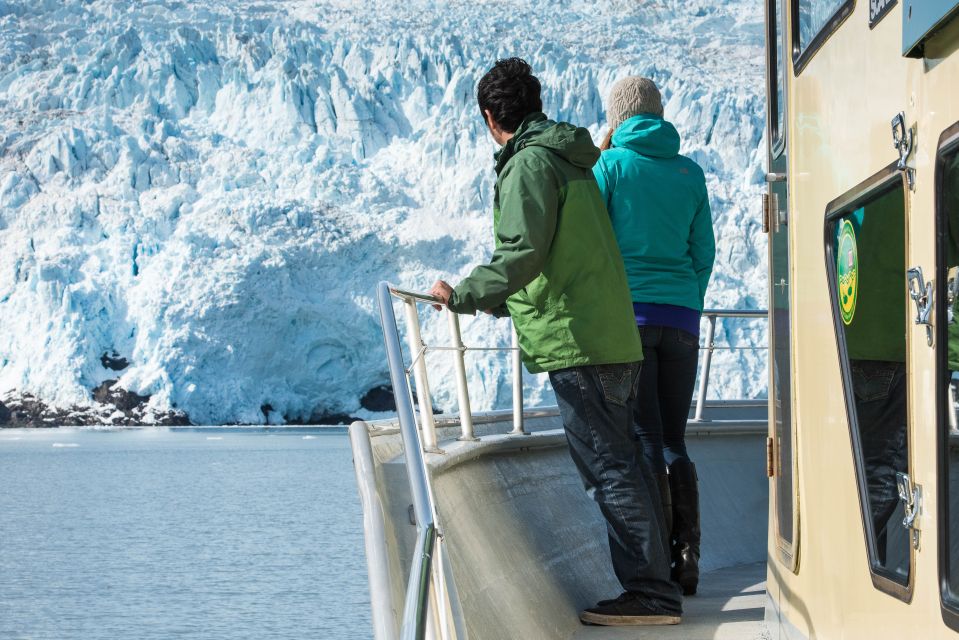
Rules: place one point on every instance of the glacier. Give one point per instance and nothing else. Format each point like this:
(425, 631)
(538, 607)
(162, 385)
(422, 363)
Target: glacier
(208, 192)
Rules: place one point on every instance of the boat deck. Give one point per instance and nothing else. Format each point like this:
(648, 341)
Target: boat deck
(729, 606)
(524, 548)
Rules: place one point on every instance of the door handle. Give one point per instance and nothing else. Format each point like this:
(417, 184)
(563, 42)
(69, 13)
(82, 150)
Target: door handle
(911, 496)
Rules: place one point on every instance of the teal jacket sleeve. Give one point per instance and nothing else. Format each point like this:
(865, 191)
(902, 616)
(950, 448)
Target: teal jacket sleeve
(600, 171)
(528, 204)
(702, 245)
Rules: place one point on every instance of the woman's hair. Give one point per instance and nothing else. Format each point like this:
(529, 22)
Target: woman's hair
(510, 92)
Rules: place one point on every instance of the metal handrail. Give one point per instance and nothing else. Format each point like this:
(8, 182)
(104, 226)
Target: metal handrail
(736, 313)
(429, 535)
(416, 605)
(711, 315)
(417, 591)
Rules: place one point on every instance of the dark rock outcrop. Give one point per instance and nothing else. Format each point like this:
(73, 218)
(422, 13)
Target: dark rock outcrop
(113, 405)
(379, 399)
(114, 361)
(109, 393)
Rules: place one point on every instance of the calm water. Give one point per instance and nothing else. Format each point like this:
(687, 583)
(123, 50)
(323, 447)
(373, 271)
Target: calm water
(158, 534)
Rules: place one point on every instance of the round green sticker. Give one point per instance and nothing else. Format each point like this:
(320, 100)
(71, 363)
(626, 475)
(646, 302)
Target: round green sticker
(847, 271)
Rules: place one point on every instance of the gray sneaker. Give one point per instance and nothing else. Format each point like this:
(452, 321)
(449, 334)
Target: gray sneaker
(625, 611)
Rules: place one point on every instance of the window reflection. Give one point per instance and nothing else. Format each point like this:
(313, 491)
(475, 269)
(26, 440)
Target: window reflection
(814, 15)
(780, 74)
(949, 219)
(870, 296)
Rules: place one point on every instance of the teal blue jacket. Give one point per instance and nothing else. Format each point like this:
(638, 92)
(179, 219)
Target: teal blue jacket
(659, 208)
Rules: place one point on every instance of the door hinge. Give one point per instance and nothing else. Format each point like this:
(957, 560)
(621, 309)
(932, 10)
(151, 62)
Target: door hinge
(902, 141)
(922, 294)
(770, 457)
(772, 216)
(911, 496)
(765, 213)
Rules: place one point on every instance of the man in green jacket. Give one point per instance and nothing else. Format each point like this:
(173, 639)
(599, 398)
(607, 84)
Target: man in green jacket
(558, 272)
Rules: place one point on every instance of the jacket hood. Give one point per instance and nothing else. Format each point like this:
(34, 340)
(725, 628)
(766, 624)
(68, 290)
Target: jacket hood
(648, 135)
(573, 144)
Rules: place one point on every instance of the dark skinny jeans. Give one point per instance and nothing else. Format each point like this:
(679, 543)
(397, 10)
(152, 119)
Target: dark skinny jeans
(595, 404)
(670, 359)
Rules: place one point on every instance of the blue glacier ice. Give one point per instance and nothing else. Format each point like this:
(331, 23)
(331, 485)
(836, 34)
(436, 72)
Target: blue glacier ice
(212, 189)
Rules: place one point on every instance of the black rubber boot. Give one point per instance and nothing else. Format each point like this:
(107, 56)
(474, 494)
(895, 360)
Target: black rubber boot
(686, 534)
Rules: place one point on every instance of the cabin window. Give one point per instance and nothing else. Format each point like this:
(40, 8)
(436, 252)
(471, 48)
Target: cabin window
(813, 22)
(878, 9)
(867, 267)
(947, 324)
(777, 88)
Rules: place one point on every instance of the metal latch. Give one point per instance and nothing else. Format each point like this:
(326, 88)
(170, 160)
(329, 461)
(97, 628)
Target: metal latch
(902, 140)
(911, 496)
(921, 293)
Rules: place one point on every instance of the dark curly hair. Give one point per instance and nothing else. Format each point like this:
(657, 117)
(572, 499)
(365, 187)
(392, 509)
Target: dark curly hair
(510, 92)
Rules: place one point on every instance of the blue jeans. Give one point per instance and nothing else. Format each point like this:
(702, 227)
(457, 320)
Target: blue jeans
(670, 361)
(595, 403)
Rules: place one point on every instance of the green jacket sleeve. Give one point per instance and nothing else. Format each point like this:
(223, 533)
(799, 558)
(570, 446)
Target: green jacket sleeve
(528, 204)
(702, 245)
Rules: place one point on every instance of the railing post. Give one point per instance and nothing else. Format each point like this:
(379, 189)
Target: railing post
(704, 371)
(415, 341)
(517, 371)
(459, 363)
(415, 608)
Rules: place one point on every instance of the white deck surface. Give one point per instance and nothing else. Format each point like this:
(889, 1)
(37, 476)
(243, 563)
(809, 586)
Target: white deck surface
(729, 606)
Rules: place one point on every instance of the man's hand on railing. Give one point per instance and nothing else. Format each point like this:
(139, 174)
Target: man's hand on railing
(441, 290)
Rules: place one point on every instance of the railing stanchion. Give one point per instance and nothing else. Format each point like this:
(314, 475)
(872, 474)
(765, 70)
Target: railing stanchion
(704, 371)
(416, 604)
(415, 341)
(517, 371)
(462, 391)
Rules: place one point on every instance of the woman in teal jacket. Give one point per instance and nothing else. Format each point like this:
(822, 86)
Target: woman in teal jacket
(659, 208)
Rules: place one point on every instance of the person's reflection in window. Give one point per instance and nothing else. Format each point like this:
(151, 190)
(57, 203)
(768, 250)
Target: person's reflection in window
(875, 326)
(950, 208)
(950, 217)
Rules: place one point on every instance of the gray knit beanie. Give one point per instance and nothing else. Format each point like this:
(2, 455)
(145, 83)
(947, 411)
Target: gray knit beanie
(631, 96)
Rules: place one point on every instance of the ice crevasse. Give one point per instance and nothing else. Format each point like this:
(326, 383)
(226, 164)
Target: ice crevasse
(208, 192)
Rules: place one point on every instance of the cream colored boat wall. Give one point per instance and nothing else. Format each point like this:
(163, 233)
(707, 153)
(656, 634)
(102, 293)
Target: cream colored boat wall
(528, 547)
(839, 115)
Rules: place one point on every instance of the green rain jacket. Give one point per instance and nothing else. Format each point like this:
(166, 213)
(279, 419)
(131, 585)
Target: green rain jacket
(658, 203)
(556, 264)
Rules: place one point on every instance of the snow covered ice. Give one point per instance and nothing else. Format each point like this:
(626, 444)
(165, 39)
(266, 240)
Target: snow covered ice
(211, 190)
